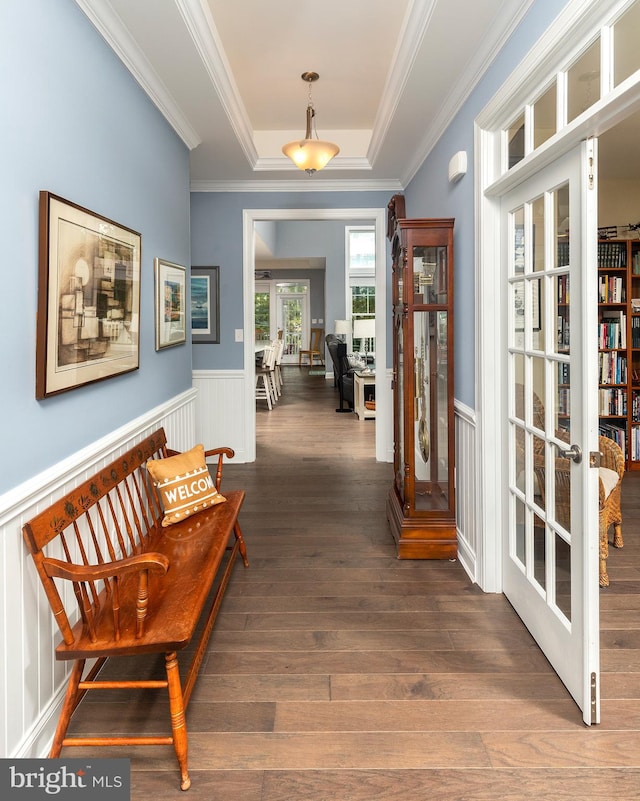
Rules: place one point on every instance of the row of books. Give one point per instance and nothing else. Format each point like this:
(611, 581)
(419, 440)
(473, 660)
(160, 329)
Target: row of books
(617, 434)
(563, 333)
(612, 402)
(564, 398)
(635, 443)
(612, 331)
(564, 372)
(635, 407)
(635, 332)
(611, 289)
(563, 289)
(612, 367)
(612, 254)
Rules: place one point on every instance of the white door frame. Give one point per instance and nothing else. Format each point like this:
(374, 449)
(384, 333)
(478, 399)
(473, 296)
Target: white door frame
(383, 421)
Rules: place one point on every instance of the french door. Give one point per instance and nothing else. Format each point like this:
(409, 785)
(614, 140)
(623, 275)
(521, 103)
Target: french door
(550, 554)
(293, 319)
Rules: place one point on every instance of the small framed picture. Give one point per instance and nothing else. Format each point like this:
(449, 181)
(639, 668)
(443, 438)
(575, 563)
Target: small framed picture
(88, 297)
(171, 304)
(205, 305)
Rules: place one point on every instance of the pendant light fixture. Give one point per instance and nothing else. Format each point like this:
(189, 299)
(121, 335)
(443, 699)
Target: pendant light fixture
(310, 154)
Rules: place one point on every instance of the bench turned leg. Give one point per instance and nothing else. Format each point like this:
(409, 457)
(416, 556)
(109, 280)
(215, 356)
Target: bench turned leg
(241, 545)
(178, 723)
(68, 708)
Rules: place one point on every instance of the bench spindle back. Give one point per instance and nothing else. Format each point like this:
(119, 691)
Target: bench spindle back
(104, 520)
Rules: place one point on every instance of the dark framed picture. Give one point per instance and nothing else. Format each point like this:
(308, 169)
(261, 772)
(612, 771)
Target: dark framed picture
(171, 304)
(88, 297)
(205, 304)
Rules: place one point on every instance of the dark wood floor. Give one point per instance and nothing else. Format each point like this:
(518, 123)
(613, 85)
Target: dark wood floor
(338, 673)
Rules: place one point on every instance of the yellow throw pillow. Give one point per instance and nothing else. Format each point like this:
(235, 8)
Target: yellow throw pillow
(185, 484)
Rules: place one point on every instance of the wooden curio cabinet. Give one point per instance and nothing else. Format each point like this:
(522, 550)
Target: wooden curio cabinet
(421, 507)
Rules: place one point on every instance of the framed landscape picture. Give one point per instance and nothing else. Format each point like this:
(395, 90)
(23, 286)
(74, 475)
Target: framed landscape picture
(171, 304)
(88, 297)
(205, 305)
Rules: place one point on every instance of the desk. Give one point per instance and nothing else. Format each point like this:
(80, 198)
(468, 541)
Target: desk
(364, 388)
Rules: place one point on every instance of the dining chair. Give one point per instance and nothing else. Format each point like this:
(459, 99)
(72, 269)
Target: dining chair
(264, 379)
(315, 348)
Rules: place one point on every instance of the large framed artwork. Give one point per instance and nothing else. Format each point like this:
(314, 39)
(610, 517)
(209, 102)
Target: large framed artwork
(205, 304)
(171, 304)
(88, 297)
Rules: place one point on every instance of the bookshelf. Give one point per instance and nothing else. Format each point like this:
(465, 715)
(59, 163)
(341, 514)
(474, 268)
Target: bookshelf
(619, 345)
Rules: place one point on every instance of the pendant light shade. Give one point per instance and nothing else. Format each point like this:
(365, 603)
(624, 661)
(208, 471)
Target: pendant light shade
(310, 154)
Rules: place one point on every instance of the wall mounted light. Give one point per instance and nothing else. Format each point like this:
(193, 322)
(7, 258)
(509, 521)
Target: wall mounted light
(310, 154)
(458, 166)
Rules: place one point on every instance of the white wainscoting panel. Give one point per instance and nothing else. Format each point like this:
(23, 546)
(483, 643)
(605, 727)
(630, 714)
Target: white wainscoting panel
(32, 683)
(466, 489)
(220, 410)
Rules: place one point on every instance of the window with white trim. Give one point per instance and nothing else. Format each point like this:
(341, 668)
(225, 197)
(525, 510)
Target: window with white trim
(361, 278)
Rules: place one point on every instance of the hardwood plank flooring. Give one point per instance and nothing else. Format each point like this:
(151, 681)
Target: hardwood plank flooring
(338, 673)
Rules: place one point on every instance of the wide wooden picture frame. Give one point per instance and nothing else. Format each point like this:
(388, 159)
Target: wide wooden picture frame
(171, 304)
(205, 305)
(88, 297)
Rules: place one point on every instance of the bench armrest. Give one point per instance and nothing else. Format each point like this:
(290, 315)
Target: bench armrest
(85, 576)
(155, 562)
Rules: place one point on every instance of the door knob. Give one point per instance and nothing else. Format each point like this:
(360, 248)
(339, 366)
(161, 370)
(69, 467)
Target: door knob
(574, 452)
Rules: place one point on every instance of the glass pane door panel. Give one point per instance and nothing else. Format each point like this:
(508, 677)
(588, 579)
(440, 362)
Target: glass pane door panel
(544, 116)
(583, 82)
(626, 53)
(431, 410)
(399, 396)
(563, 312)
(290, 319)
(538, 256)
(430, 275)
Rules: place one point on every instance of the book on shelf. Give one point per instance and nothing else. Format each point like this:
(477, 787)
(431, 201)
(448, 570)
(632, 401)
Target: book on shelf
(611, 289)
(612, 254)
(612, 330)
(612, 402)
(617, 433)
(612, 367)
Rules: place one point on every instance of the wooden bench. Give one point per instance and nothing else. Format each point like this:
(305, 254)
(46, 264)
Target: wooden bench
(138, 587)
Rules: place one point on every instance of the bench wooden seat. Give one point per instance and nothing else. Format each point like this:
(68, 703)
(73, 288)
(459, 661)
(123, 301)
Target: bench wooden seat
(119, 583)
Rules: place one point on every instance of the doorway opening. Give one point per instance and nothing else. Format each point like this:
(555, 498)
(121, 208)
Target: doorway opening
(375, 216)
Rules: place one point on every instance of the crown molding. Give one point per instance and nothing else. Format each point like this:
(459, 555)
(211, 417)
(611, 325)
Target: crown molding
(308, 185)
(472, 75)
(102, 16)
(414, 27)
(202, 29)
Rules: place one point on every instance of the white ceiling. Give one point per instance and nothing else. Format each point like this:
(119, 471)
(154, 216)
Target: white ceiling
(226, 75)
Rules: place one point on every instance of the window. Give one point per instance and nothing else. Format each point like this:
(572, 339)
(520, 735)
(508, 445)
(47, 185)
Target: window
(361, 261)
(262, 306)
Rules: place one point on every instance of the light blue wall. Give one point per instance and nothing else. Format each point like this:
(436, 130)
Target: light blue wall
(216, 238)
(430, 194)
(74, 122)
